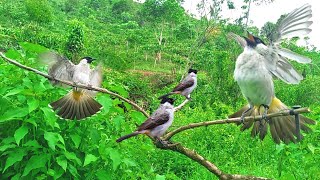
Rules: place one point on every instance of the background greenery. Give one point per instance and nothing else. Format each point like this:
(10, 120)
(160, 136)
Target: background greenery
(146, 49)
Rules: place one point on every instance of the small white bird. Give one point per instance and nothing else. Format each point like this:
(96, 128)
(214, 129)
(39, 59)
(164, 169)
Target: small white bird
(78, 103)
(157, 124)
(186, 86)
(253, 73)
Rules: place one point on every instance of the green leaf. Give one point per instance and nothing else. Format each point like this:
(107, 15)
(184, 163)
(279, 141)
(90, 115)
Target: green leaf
(33, 47)
(116, 159)
(35, 162)
(118, 121)
(106, 103)
(14, 91)
(137, 116)
(33, 104)
(51, 172)
(76, 139)
(32, 143)
(119, 89)
(89, 159)
(52, 139)
(61, 160)
(160, 177)
(103, 175)
(14, 157)
(311, 148)
(7, 146)
(20, 133)
(72, 156)
(129, 162)
(16, 113)
(13, 54)
(73, 170)
(50, 116)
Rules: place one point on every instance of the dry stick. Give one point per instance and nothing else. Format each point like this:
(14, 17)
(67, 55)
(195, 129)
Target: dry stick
(232, 120)
(74, 85)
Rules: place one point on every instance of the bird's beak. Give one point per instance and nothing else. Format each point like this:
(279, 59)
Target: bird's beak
(250, 37)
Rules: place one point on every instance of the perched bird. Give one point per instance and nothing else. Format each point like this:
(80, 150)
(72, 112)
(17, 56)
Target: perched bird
(253, 73)
(186, 86)
(157, 124)
(78, 103)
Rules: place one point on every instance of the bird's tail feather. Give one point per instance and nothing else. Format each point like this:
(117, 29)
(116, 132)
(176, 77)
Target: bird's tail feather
(76, 105)
(166, 95)
(282, 128)
(127, 136)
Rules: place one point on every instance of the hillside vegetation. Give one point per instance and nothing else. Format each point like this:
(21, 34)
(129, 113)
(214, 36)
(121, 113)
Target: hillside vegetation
(145, 50)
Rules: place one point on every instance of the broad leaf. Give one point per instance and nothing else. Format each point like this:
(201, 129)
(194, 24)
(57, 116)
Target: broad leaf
(16, 113)
(61, 160)
(116, 159)
(76, 139)
(72, 156)
(33, 104)
(20, 133)
(14, 157)
(89, 159)
(52, 139)
(35, 162)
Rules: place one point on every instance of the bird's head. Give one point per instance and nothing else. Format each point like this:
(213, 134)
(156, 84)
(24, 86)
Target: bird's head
(167, 100)
(192, 70)
(88, 59)
(253, 41)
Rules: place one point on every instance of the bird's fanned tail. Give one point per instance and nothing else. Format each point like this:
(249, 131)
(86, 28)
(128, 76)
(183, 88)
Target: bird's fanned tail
(76, 105)
(282, 128)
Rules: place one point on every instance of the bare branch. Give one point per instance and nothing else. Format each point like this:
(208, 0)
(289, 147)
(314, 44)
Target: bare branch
(177, 147)
(103, 90)
(232, 120)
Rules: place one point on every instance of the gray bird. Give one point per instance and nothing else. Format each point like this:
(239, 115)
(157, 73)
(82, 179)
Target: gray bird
(78, 103)
(253, 73)
(186, 86)
(157, 124)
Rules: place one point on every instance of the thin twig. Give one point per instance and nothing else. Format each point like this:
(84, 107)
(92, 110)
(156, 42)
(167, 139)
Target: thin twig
(232, 120)
(103, 90)
(181, 105)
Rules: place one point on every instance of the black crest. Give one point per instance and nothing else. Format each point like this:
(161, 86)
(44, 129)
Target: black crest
(166, 99)
(192, 70)
(89, 59)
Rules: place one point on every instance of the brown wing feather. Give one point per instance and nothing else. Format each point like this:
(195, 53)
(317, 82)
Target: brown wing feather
(183, 85)
(154, 121)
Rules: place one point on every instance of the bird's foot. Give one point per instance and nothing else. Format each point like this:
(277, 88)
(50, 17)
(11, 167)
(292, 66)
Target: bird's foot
(164, 144)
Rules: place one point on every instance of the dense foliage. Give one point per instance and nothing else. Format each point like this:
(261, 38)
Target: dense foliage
(145, 49)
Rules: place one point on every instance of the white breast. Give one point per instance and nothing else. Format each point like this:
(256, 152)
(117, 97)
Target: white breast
(253, 78)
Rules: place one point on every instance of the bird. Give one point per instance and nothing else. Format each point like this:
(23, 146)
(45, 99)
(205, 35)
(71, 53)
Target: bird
(296, 23)
(157, 124)
(254, 71)
(78, 103)
(186, 86)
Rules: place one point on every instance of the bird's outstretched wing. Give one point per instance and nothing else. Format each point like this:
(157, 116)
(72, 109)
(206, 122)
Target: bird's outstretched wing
(294, 24)
(59, 67)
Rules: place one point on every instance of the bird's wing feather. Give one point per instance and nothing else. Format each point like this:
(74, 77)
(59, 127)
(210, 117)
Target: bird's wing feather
(58, 67)
(95, 79)
(294, 24)
(237, 38)
(154, 121)
(186, 83)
